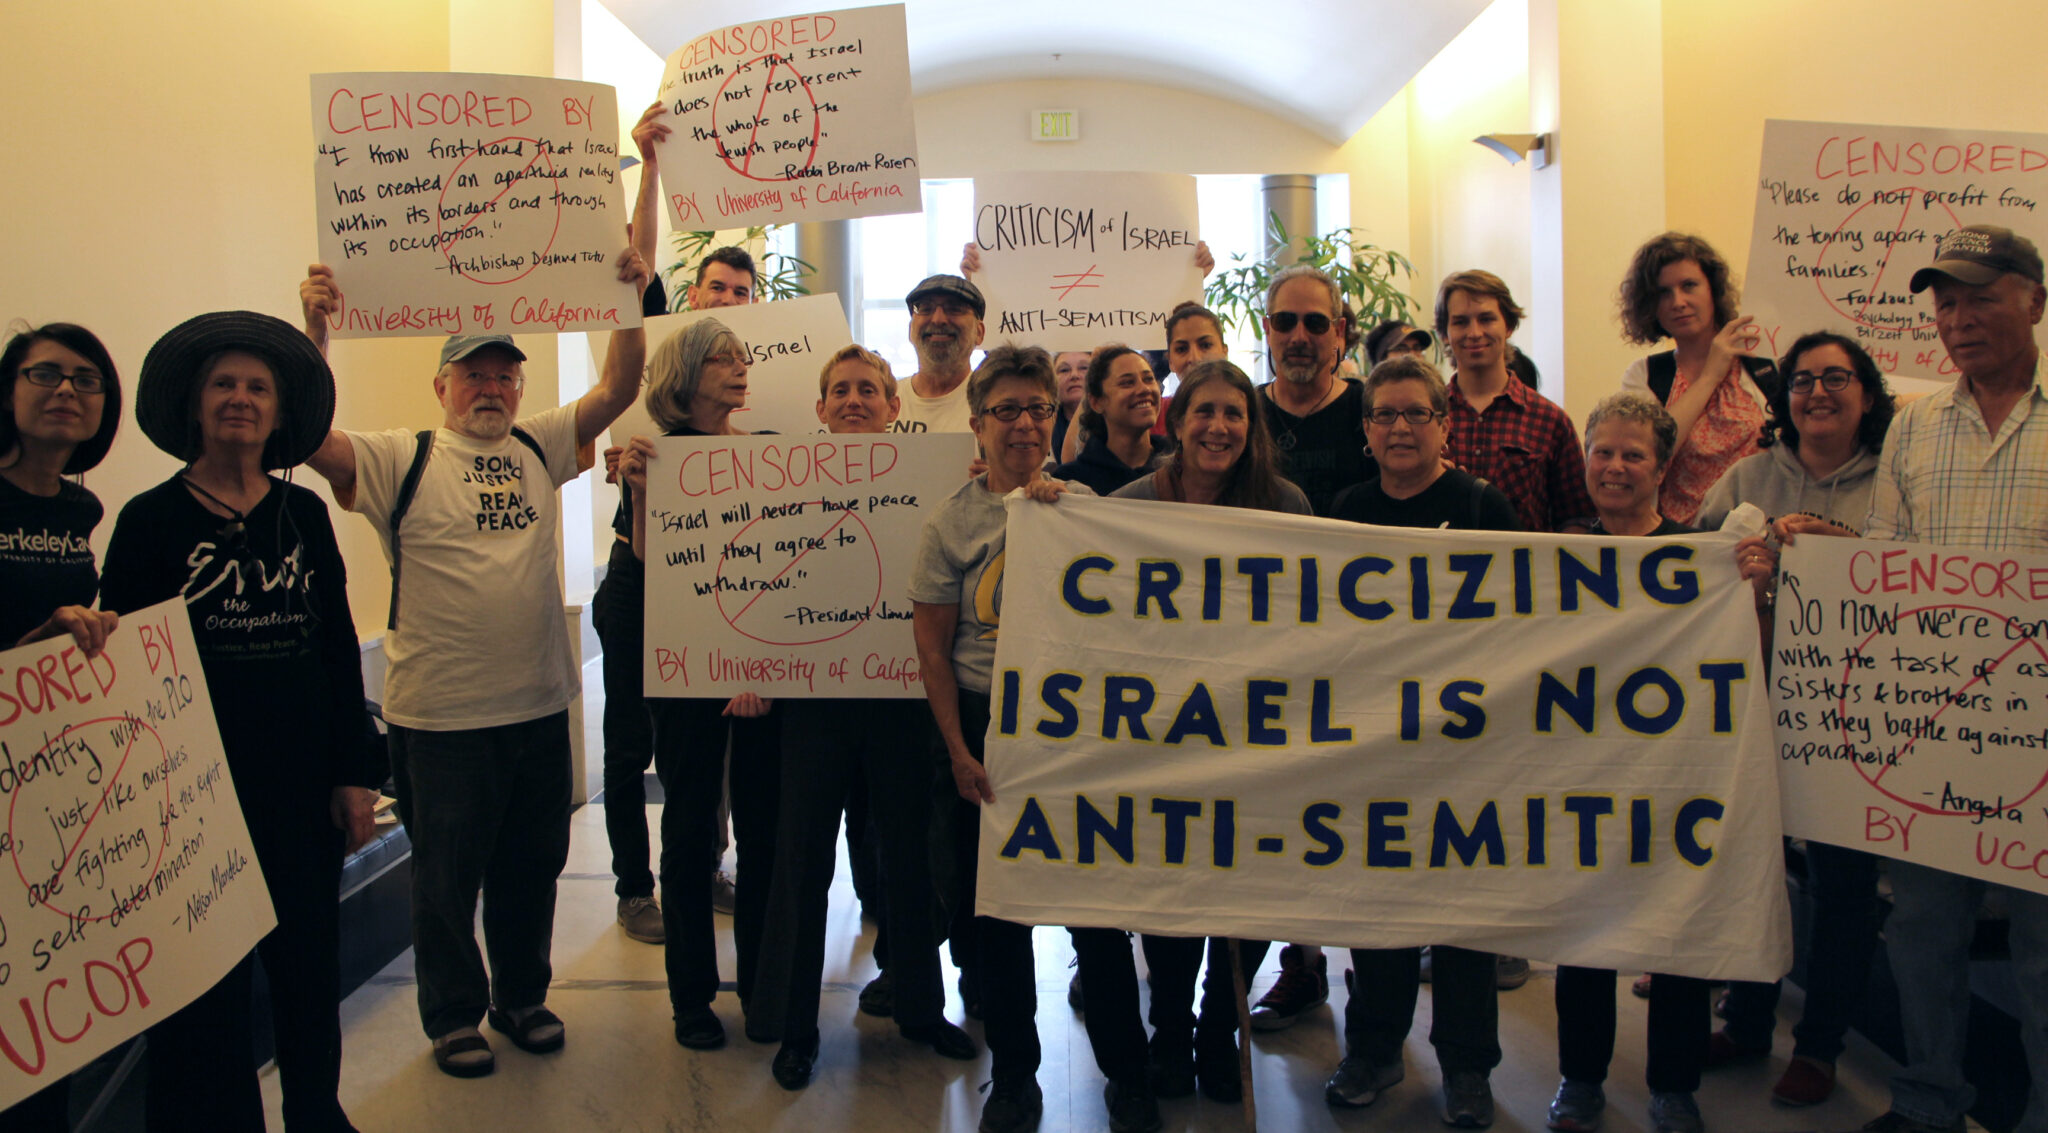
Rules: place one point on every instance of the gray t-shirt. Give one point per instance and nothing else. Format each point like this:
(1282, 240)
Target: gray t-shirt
(960, 562)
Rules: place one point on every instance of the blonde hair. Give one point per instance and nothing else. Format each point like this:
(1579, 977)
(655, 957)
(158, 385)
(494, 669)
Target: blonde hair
(855, 352)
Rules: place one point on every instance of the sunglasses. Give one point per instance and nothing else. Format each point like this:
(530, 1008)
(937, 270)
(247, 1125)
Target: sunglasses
(1283, 322)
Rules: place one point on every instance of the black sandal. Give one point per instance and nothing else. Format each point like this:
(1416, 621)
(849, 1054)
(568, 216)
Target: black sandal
(521, 1032)
(444, 1057)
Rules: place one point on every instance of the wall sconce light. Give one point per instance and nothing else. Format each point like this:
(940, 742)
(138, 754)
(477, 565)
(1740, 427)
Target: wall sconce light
(1515, 147)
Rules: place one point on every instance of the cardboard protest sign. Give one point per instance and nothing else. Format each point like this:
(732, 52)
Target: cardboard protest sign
(470, 204)
(791, 119)
(135, 887)
(789, 341)
(777, 565)
(1070, 261)
(1845, 214)
(1911, 685)
(1546, 745)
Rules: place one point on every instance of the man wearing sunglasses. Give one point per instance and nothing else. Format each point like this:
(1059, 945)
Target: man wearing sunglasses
(1316, 415)
(1967, 466)
(945, 328)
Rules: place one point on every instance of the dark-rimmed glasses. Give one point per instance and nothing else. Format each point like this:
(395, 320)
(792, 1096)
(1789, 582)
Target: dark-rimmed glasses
(50, 377)
(1834, 379)
(1009, 411)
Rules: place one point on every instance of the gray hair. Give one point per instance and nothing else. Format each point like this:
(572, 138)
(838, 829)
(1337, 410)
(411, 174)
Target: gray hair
(1408, 368)
(1630, 405)
(677, 364)
(1288, 275)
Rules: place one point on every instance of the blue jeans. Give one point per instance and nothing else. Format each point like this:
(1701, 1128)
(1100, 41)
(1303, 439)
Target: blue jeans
(487, 810)
(1934, 916)
(1841, 937)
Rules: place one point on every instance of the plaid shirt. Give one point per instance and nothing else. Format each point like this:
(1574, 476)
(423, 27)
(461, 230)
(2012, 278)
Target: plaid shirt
(1528, 448)
(1943, 478)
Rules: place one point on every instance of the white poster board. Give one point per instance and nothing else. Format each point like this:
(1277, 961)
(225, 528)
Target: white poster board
(791, 119)
(1911, 684)
(789, 340)
(1207, 721)
(1845, 214)
(135, 887)
(470, 204)
(1070, 261)
(778, 565)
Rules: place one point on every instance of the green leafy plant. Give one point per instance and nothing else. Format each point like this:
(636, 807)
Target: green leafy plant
(776, 276)
(1367, 276)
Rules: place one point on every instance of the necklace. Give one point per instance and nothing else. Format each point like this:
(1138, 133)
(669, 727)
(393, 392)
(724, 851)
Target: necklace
(237, 519)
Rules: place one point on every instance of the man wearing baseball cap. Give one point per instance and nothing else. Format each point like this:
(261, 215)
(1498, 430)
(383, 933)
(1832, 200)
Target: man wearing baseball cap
(481, 674)
(1967, 466)
(945, 327)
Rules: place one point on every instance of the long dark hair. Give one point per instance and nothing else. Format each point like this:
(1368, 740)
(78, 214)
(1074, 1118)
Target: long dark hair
(1878, 403)
(1255, 481)
(1092, 423)
(86, 345)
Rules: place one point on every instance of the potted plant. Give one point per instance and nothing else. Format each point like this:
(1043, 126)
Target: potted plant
(1367, 277)
(776, 276)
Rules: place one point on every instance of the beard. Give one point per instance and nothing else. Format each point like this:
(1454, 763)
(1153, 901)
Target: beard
(485, 425)
(943, 355)
(1300, 369)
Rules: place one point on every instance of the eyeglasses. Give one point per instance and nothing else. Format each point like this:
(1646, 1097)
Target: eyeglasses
(724, 359)
(1010, 410)
(1833, 380)
(50, 377)
(954, 308)
(1283, 322)
(1415, 415)
(513, 382)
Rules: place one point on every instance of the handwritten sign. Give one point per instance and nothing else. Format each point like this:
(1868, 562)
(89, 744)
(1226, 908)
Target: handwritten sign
(467, 204)
(1911, 688)
(789, 341)
(133, 884)
(792, 119)
(777, 565)
(1073, 260)
(1845, 215)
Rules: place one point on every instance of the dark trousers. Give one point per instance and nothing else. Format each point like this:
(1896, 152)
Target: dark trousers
(1465, 1008)
(1173, 963)
(202, 1062)
(880, 751)
(1841, 938)
(487, 810)
(994, 955)
(628, 728)
(48, 1110)
(1109, 989)
(690, 736)
(1680, 1018)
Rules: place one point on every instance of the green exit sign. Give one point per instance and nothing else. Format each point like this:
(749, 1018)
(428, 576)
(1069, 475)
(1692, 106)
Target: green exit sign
(1056, 126)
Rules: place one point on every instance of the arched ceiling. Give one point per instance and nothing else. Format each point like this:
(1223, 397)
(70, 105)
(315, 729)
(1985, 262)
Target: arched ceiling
(1327, 64)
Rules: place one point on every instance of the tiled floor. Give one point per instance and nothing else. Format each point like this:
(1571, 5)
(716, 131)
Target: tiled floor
(622, 1071)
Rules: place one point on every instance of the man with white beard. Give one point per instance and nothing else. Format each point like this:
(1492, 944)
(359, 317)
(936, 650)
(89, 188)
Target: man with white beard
(945, 327)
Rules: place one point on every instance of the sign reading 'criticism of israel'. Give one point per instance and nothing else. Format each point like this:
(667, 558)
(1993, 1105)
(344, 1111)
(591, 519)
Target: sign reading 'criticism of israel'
(1551, 746)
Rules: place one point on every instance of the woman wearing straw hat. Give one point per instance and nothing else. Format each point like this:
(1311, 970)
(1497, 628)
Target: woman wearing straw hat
(236, 394)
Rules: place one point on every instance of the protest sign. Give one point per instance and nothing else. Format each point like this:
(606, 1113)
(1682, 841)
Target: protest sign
(1845, 214)
(470, 204)
(1070, 261)
(791, 119)
(788, 340)
(137, 885)
(778, 565)
(1911, 688)
(1550, 746)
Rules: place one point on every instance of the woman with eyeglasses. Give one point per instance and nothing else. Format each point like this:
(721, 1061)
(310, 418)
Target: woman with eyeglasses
(1118, 408)
(235, 395)
(1719, 396)
(696, 379)
(1816, 473)
(956, 594)
(64, 406)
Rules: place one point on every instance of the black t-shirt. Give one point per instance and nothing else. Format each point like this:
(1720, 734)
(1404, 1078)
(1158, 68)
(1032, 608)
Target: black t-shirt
(1664, 527)
(269, 607)
(45, 556)
(1457, 500)
(1324, 451)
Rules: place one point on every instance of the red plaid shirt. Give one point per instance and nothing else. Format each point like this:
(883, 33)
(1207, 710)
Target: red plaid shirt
(1528, 448)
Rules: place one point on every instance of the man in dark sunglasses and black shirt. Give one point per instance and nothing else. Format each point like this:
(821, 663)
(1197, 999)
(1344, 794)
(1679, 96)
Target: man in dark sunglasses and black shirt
(1316, 418)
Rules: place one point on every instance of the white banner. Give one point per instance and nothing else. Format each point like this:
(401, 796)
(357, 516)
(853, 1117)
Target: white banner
(1070, 261)
(777, 565)
(1845, 214)
(789, 340)
(137, 885)
(1551, 746)
(791, 119)
(1911, 686)
(470, 204)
